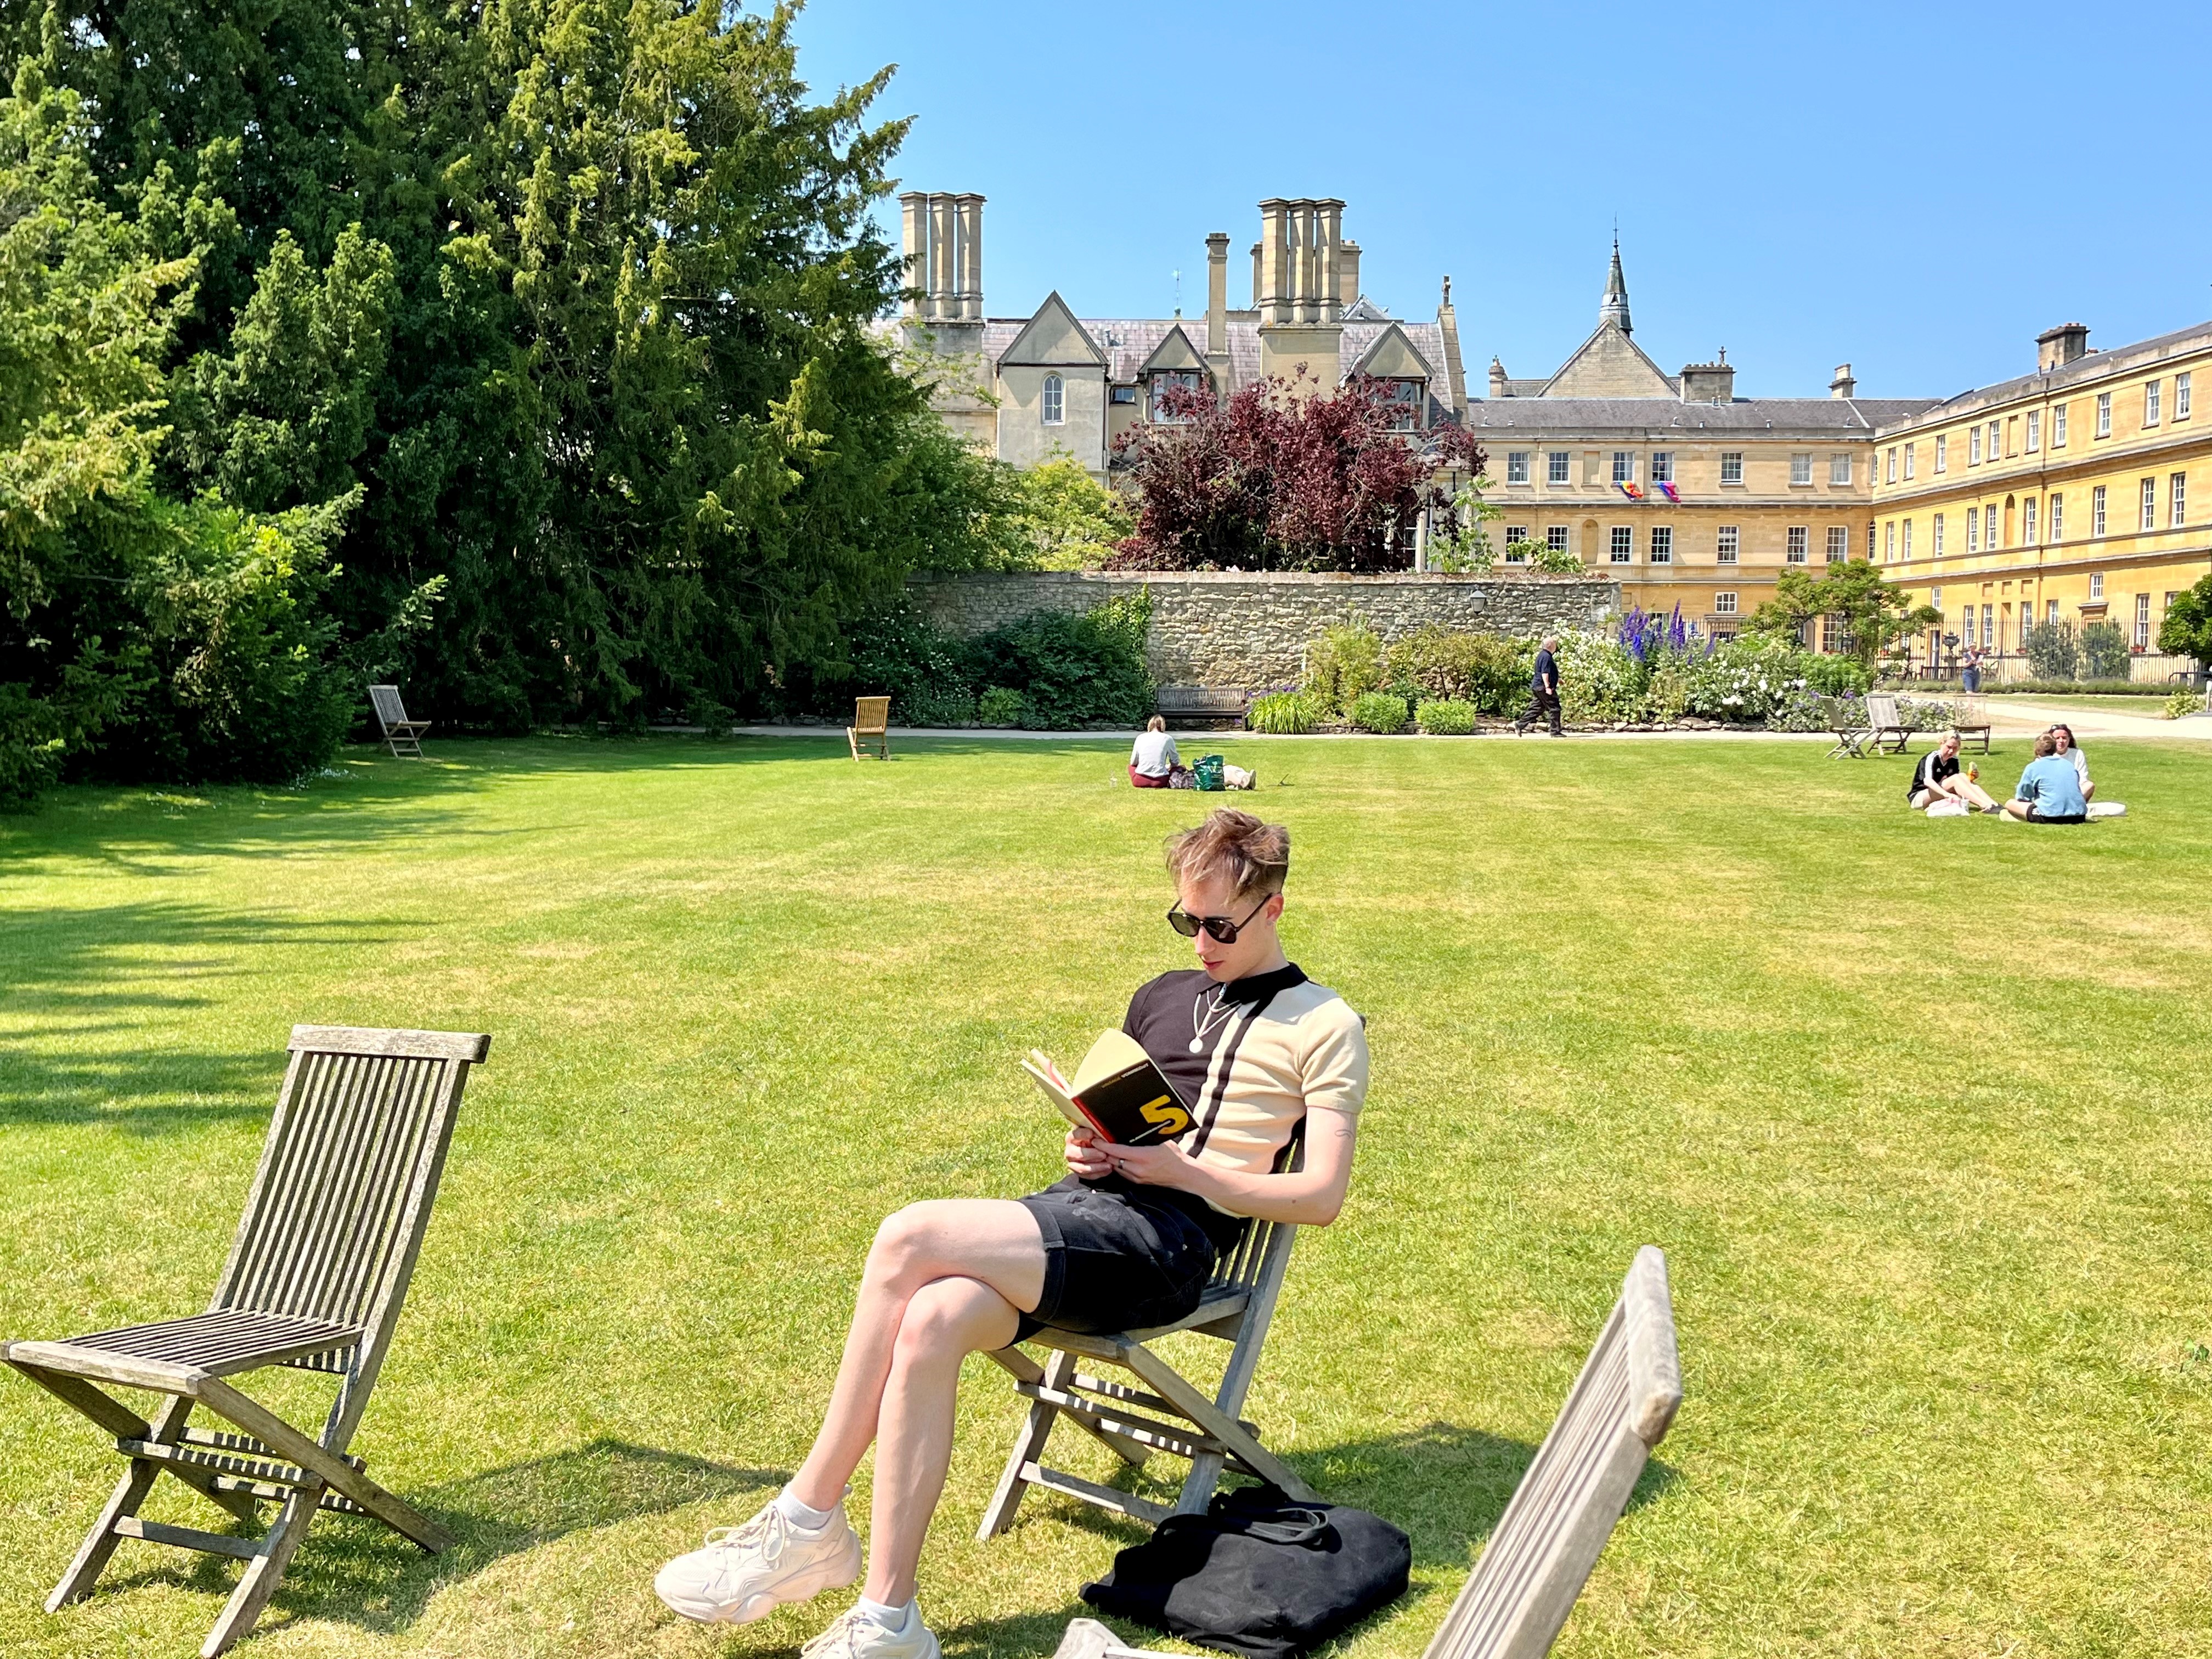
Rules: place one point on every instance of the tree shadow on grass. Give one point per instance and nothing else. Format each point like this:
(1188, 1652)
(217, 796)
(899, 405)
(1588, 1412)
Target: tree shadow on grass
(353, 1570)
(75, 983)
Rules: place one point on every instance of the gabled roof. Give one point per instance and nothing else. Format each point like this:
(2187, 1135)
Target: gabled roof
(1609, 365)
(1365, 310)
(1391, 356)
(1053, 340)
(1175, 350)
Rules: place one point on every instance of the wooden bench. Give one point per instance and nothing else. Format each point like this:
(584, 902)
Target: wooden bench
(1209, 707)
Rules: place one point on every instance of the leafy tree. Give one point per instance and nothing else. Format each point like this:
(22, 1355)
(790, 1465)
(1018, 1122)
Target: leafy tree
(1281, 476)
(1066, 519)
(2052, 651)
(1877, 616)
(2187, 629)
(2104, 651)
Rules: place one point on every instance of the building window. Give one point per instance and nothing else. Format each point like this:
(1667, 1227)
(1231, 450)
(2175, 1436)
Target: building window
(1801, 469)
(2057, 517)
(2149, 514)
(1990, 528)
(1839, 469)
(1973, 530)
(1905, 541)
(2050, 610)
(2058, 427)
(1555, 538)
(1516, 466)
(1409, 400)
(1889, 467)
(2034, 430)
(1839, 543)
(1989, 627)
(2097, 511)
(1053, 406)
(1832, 633)
(1624, 543)
(2096, 585)
(1935, 537)
(2181, 397)
(1517, 540)
(1725, 543)
(1624, 466)
(1908, 463)
(1662, 543)
(1800, 538)
(1994, 451)
(2150, 403)
(1555, 467)
(2142, 622)
(1724, 604)
(2177, 488)
(1167, 382)
(1731, 466)
(1943, 453)
(1662, 466)
(1869, 541)
(1122, 394)
(1889, 542)
(1973, 445)
(2027, 521)
(2104, 415)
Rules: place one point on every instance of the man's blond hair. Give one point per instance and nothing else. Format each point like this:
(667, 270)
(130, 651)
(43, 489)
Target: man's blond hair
(1252, 856)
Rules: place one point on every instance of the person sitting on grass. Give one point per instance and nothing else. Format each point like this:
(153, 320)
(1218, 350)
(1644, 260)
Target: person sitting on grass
(1937, 778)
(1153, 762)
(1126, 1241)
(2071, 752)
(2048, 792)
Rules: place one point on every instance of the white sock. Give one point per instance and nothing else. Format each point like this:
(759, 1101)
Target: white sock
(892, 1618)
(803, 1516)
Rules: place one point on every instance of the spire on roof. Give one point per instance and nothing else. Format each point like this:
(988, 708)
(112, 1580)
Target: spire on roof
(1615, 308)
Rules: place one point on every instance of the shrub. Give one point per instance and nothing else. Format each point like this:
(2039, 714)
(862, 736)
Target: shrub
(924, 670)
(1070, 670)
(1285, 713)
(2052, 650)
(1667, 695)
(1378, 711)
(2104, 651)
(1343, 663)
(1598, 681)
(2181, 704)
(1487, 670)
(1446, 717)
(1000, 705)
(1832, 675)
(1744, 679)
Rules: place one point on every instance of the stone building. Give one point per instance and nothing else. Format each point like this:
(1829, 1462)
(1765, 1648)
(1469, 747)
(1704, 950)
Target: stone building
(1027, 388)
(2082, 492)
(1671, 484)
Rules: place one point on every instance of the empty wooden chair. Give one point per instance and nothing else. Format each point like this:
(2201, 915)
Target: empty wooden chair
(1969, 719)
(1168, 1413)
(870, 727)
(317, 1274)
(401, 735)
(1887, 723)
(1848, 722)
(1555, 1526)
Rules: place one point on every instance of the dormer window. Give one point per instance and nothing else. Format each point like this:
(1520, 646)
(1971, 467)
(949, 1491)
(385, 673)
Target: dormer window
(1408, 400)
(1169, 380)
(1053, 406)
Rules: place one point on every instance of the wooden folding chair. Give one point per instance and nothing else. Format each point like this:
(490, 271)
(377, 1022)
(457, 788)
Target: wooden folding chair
(1554, 1528)
(1969, 719)
(317, 1275)
(1888, 724)
(1236, 1306)
(401, 735)
(870, 727)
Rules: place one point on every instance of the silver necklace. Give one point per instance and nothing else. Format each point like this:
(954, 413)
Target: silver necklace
(1200, 1030)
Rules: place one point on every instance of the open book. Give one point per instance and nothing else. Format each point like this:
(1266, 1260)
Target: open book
(1118, 1093)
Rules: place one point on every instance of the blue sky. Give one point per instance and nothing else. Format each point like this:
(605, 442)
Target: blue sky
(1918, 189)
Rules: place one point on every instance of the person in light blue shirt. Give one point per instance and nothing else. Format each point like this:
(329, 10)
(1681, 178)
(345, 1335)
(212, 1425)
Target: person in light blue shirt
(2048, 792)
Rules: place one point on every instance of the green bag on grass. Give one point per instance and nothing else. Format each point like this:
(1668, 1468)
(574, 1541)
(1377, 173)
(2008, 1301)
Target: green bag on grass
(1205, 772)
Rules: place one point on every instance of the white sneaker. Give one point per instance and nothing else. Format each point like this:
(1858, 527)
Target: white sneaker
(856, 1635)
(746, 1572)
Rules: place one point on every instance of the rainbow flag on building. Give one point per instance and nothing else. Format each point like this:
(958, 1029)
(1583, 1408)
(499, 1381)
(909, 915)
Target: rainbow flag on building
(1632, 492)
(1671, 495)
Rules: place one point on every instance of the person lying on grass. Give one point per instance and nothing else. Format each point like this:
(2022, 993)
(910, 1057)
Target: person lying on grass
(1127, 1241)
(1937, 778)
(2049, 792)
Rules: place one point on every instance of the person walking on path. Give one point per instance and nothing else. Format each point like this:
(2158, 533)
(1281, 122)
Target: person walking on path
(1543, 689)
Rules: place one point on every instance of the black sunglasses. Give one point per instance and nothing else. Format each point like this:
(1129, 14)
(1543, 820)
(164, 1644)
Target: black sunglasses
(1217, 928)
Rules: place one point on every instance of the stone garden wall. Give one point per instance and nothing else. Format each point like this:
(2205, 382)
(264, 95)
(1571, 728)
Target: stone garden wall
(1233, 628)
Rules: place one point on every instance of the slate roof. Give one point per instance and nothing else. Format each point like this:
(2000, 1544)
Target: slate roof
(2095, 366)
(1811, 415)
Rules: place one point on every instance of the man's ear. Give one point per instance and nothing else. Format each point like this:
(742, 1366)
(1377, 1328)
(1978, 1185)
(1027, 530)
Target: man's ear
(1274, 906)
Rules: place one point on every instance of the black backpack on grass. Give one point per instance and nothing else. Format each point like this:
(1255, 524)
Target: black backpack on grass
(1258, 1574)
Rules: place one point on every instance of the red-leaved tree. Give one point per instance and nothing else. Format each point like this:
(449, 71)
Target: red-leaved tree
(1281, 478)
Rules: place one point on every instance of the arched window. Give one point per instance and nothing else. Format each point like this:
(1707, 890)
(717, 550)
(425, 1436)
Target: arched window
(1055, 403)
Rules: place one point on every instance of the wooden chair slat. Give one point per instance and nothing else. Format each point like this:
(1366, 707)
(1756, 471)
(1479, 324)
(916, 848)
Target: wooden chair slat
(316, 1277)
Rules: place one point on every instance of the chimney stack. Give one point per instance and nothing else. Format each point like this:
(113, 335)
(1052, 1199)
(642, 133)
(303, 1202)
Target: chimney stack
(2055, 347)
(968, 282)
(1216, 294)
(1709, 383)
(941, 238)
(1347, 263)
(1843, 386)
(1498, 379)
(914, 243)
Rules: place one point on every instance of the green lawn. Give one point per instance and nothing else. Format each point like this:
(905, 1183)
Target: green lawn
(1917, 1109)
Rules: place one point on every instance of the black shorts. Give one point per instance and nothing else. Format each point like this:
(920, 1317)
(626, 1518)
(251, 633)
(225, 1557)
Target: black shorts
(2034, 817)
(1119, 1257)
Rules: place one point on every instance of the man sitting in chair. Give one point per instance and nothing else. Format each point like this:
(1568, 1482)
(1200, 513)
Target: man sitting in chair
(1126, 1241)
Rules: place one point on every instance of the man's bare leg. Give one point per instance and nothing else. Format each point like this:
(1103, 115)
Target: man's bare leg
(991, 1242)
(945, 1321)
